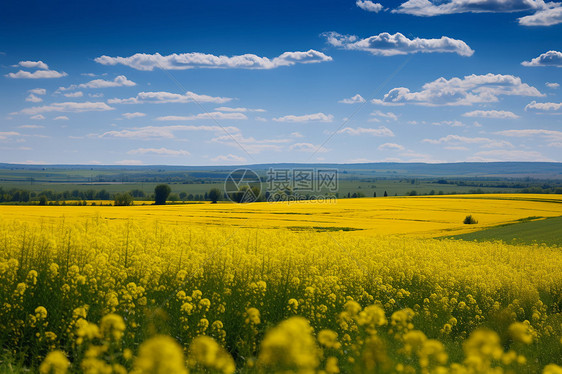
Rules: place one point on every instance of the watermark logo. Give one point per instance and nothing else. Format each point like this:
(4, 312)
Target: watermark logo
(243, 186)
(282, 184)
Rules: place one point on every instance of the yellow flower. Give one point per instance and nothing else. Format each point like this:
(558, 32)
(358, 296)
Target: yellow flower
(206, 354)
(552, 369)
(329, 339)
(55, 363)
(289, 346)
(160, 355)
(112, 327)
(521, 332)
(253, 316)
(40, 313)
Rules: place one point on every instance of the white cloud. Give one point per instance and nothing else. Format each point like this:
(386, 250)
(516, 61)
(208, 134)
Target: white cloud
(315, 117)
(211, 115)
(545, 107)
(552, 136)
(550, 15)
(74, 94)
(34, 99)
(133, 115)
(356, 99)
(307, 147)
(390, 146)
(68, 107)
(61, 118)
(162, 97)
(458, 140)
(119, 81)
(385, 44)
(250, 144)
(36, 74)
(454, 123)
(95, 95)
(297, 134)
(129, 162)
(552, 85)
(6, 134)
(387, 115)
(149, 132)
(429, 8)
(463, 91)
(500, 114)
(38, 117)
(550, 58)
(33, 65)
(385, 103)
(380, 131)
(242, 110)
(159, 151)
(508, 155)
(38, 91)
(228, 158)
(148, 62)
(31, 127)
(369, 6)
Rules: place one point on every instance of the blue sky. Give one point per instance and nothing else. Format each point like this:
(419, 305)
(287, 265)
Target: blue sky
(224, 82)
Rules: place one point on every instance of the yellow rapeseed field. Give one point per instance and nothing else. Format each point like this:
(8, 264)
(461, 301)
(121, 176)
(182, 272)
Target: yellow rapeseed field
(357, 286)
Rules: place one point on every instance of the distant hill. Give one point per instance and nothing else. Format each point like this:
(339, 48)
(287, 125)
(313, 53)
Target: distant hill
(536, 170)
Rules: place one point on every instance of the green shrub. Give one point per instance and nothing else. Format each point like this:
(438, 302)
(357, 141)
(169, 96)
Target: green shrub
(470, 220)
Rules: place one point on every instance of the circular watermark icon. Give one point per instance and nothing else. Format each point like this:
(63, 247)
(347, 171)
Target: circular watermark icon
(242, 186)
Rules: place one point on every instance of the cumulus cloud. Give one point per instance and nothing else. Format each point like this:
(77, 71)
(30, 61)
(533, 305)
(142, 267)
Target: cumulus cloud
(454, 123)
(469, 90)
(148, 62)
(250, 144)
(552, 136)
(162, 97)
(550, 58)
(36, 74)
(380, 131)
(242, 110)
(390, 146)
(61, 118)
(385, 44)
(307, 147)
(38, 91)
(356, 99)
(543, 107)
(228, 158)
(430, 8)
(158, 151)
(133, 115)
(129, 162)
(167, 132)
(33, 65)
(119, 81)
(210, 115)
(508, 155)
(459, 140)
(68, 107)
(31, 127)
(501, 114)
(550, 15)
(387, 115)
(34, 99)
(369, 6)
(4, 135)
(552, 85)
(315, 117)
(38, 117)
(74, 94)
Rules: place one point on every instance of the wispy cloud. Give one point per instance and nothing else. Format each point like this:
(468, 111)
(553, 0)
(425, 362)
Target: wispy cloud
(459, 140)
(390, 146)
(162, 97)
(554, 108)
(167, 132)
(133, 115)
(158, 151)
(315, 117)
(148, 62)
(41, 72)
(499, 114)
(430, 8)
(119, 81)
(356, 99)
(229, 158)
(205, 116)
(380, 131)
(68, 107)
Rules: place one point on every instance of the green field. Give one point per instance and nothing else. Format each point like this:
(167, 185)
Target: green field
(541, 231)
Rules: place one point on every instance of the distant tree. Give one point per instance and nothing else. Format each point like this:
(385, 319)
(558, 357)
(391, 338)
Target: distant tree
(470, 220)
(42, 200)
(214, 195)
(385, 194)
(137, 193)
(161, 193)
(183, 195)
(123, 199)
(375, 194)
(190, 197)
(173, 197)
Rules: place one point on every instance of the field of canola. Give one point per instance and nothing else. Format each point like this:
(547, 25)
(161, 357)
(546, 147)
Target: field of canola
(220, 289)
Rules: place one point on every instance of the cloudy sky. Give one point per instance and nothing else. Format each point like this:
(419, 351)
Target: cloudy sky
(242, 82)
